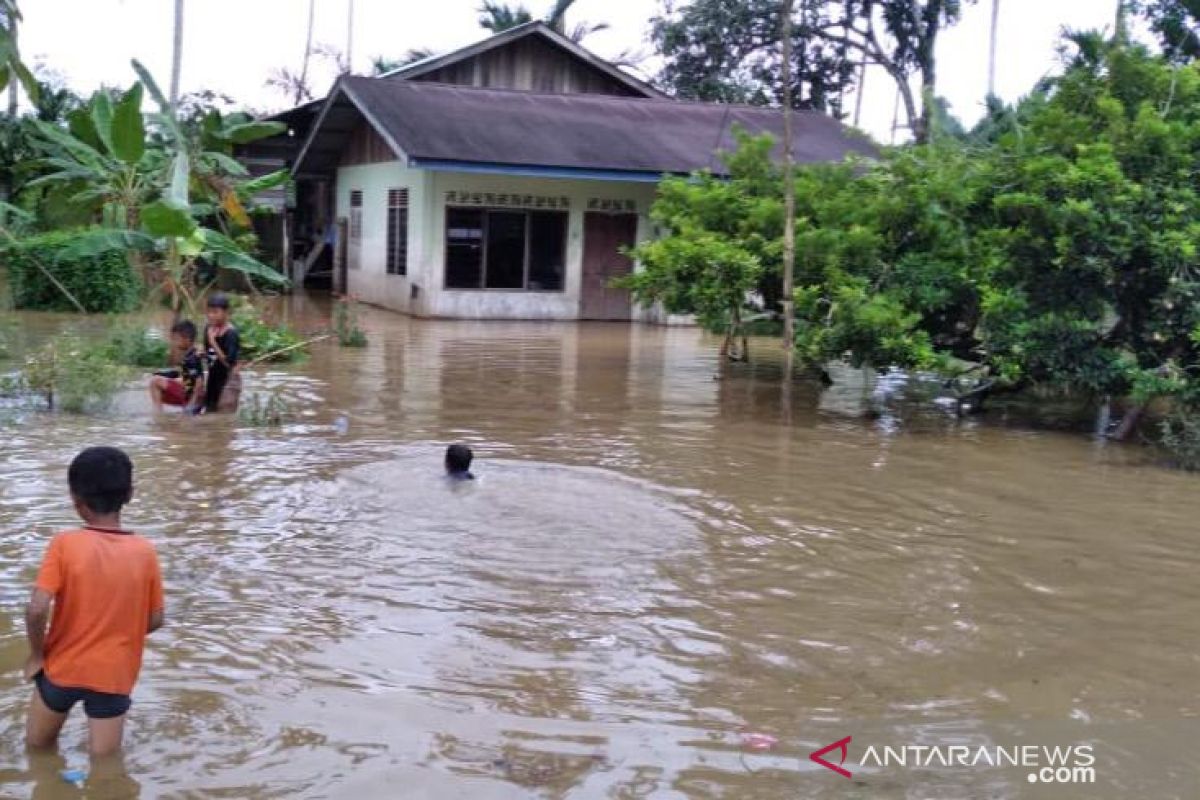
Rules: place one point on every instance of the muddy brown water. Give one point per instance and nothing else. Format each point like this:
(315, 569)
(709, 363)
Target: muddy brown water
(653, 566)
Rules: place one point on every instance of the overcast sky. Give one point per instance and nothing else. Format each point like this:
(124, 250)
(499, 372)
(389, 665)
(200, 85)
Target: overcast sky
(231, 45)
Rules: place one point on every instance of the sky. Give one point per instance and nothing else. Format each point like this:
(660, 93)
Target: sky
(231, 46)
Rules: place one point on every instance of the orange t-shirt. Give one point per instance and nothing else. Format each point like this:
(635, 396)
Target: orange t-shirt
(105, 587)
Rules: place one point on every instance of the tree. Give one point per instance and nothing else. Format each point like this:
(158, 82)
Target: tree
(728, 50)
(725, 51)
(723, 235)
(11, 67)
(498, 17)
(381, 65)
(1175, 23)
(155, 187)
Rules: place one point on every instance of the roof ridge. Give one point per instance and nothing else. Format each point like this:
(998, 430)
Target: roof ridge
(595, 97)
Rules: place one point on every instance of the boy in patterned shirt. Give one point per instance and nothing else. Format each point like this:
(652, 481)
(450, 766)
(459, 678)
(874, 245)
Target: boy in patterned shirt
(183, 386)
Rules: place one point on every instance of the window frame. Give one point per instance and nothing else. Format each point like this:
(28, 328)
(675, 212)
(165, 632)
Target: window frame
(354, 229)
(486, 211)
(393, 264)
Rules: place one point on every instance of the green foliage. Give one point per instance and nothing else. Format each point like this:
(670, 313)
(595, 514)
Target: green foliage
(71, 375)
(1180, 435)
(345, 323)
(135, 345)
(1057, 247)
(722, 235)
(101, 282)
(261, 338)
(1174, 23)
(265, 411)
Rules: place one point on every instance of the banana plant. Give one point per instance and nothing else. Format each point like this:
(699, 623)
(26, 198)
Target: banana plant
(158, 186)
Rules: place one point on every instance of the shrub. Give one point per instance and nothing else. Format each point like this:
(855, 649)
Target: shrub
(101, 283)
(71, 375)
(1180, 435)
(265, 411)
(136, 346)
(345, 323)
(260, 338)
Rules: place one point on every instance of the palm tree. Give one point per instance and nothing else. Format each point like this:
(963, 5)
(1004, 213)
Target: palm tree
(499, 16)
(10, 58)
(177, 54)
(381, 65)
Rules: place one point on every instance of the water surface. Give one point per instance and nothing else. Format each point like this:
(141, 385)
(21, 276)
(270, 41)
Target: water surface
(661, 556)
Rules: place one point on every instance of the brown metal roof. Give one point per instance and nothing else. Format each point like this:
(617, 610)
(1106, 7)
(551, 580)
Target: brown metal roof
(426, 122)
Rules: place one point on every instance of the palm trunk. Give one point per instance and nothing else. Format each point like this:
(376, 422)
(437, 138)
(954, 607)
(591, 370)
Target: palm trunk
(302, 82)
(12, 78)
(992, 48)
(177, 55)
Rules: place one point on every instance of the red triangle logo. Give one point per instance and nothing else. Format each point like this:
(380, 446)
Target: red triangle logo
(840, 744)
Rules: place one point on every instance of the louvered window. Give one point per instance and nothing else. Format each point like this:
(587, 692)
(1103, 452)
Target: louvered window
(397, 232)
(356, 201)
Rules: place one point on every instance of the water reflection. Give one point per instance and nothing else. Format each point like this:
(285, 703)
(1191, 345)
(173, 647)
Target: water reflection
(663, 553)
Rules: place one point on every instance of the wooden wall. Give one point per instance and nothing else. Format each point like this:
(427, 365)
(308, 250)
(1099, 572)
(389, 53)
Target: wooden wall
(366, 146)
(528, 64)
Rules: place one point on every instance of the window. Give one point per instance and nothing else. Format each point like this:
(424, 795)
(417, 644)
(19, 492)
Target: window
(397, 232)
(494, 249)
(356, 201)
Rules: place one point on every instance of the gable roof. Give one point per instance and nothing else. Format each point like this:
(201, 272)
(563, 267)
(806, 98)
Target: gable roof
(535, 29)
(436, 126)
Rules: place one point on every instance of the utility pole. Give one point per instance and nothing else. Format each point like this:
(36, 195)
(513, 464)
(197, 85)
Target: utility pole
(789, 195)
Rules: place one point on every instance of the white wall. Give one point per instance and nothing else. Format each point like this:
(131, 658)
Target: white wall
(426, 260)
(370, 281)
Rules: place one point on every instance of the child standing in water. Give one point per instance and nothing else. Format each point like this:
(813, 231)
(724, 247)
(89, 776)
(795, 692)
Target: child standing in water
(222, 345)
(105, 587)
(183, 386)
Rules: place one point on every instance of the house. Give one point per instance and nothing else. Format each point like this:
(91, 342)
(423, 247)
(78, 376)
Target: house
(506, 180)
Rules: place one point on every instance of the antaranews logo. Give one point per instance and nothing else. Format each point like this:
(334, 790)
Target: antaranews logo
(1044, 764)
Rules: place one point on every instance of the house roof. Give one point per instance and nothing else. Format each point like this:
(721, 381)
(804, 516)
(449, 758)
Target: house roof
(535, 29)
(436, 126)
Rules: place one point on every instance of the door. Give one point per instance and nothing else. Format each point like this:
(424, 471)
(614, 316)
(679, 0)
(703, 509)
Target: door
(604, 236)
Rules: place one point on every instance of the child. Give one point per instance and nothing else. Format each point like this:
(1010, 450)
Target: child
(222, 344)
(458, 462)
(106, 589)
(182, 387)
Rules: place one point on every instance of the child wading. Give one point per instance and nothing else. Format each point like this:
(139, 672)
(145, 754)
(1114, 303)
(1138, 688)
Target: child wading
(183, 386)
(222, 345)
(106, 589)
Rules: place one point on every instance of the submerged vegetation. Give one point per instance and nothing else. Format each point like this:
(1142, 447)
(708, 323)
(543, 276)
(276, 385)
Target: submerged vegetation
(1054, 248)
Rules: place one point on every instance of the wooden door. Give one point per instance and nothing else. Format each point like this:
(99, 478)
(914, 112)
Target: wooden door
(604, 236)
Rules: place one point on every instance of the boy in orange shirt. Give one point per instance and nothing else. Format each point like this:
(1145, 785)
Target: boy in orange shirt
(106, 588)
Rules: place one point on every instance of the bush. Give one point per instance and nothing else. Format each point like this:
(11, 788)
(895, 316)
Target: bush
(345, 323)
(1180, 435)
(71, 375)
(136, 346)
(260, 338)
(103, 283)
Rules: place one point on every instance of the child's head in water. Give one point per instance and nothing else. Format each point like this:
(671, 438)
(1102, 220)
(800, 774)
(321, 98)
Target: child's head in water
(458, 461)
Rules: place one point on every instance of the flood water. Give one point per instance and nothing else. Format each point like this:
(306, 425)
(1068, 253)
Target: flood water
(663, 559)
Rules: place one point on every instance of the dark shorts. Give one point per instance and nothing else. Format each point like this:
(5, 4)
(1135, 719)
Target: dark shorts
(97, 705)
